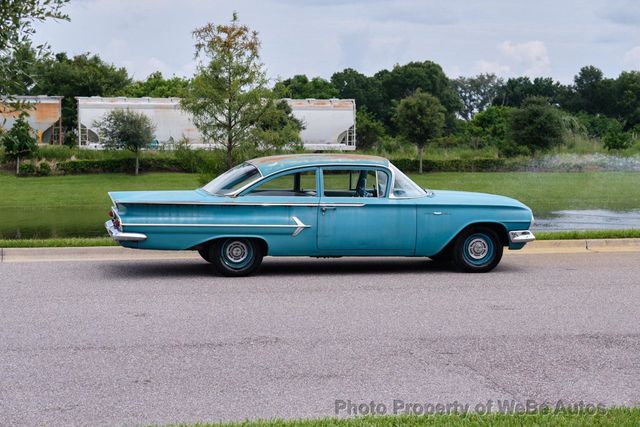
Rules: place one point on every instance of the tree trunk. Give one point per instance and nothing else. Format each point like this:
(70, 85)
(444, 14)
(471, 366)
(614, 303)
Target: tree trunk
(137, 164)
(229, 153)
(17, 165)
(420, 154)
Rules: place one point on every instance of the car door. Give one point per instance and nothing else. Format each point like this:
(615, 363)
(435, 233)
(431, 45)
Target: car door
(283, 211)
(356, 216)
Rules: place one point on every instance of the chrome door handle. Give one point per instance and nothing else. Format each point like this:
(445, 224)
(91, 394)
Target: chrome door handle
(324, 209)
(437, 213)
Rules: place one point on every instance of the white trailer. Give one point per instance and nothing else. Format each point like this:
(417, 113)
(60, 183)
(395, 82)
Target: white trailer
(172, 124)
(329, 123)
(44, 115)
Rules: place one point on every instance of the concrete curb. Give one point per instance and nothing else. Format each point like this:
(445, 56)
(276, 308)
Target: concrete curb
(117, 253)
(93, 253)
(580, 245)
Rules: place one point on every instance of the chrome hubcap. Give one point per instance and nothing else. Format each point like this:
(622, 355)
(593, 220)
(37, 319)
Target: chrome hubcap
(236, 252)
(478, 249)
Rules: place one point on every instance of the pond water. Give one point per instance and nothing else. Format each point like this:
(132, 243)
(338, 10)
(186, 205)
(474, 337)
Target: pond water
(588, 220)
(89, 222)
(46, 223)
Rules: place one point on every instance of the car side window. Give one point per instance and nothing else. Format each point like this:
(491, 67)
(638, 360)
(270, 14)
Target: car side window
(354, 183)
(291, 184)
(382, 179)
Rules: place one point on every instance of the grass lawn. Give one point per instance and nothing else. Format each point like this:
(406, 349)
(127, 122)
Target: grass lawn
(76, 205)
(83, 190)
(612, 417)
(546, 192)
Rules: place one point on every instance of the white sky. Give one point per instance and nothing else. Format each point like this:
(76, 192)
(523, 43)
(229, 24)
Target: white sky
(319, 37)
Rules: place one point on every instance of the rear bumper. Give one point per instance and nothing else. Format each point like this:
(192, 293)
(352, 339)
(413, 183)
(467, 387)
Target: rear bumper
(120, 236)
(521, 236)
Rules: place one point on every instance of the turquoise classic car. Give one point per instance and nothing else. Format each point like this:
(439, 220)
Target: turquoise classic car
(320, 205)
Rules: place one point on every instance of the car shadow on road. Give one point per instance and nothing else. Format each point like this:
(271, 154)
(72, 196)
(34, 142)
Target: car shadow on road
(273, 267)
(347, 266)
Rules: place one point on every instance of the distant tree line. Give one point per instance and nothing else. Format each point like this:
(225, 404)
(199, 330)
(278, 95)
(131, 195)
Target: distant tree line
(485, 109)
(415, 103)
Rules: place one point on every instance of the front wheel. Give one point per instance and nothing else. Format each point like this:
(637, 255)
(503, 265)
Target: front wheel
(477, 249)
(235, 257)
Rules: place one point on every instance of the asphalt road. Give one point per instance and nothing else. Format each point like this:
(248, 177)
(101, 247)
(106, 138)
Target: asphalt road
(124, 342)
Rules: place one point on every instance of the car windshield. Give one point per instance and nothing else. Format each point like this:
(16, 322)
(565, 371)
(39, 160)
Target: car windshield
(232, 180)
(403, 186)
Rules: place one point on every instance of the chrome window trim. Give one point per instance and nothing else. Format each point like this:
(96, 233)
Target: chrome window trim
(265, 179)
(236, 193)
(374, 168)
(393, 183)
(311, 204)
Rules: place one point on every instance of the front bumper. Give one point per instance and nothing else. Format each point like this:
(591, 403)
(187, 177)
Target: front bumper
(521, 236)
(120, 236)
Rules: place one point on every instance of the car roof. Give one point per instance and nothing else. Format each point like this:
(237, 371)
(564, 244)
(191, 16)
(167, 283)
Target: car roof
(271, 164)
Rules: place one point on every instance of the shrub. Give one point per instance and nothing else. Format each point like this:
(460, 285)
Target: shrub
(537, 125)
(617, 140)
(27, 169)
(18, 142)
(492, 125)
(44, 169)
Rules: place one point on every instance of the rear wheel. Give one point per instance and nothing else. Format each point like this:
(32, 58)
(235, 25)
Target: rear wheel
(477, 249)
(235, 257)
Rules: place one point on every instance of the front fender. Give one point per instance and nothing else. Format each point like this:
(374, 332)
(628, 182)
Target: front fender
(439, 225)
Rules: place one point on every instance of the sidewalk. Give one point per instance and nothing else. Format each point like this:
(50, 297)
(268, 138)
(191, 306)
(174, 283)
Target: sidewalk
(117, 253)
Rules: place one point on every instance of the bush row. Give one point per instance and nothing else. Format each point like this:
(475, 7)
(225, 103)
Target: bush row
(460, 165)
(119, 165)
(192, 165)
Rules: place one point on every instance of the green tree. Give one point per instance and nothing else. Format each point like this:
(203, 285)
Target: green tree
(300, 87)
(626, 102)
(126, 129)
(476, 93)
(420, 118)
(537, 125)
(228, 94)
(18, 142)
(277, 130)
(82, 75)
(18, 18)
(369, 131)
(156, 86)
(598, 125)
(404, 80)
(588, 92)
(367, 91)
(516, 90)
(492, 125)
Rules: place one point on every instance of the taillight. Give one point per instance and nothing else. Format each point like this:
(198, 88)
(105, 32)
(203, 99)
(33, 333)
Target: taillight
(116, 223)
(111, 214)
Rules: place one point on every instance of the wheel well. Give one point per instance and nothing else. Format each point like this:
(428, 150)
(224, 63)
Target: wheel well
(261, 242)
(499, 229)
